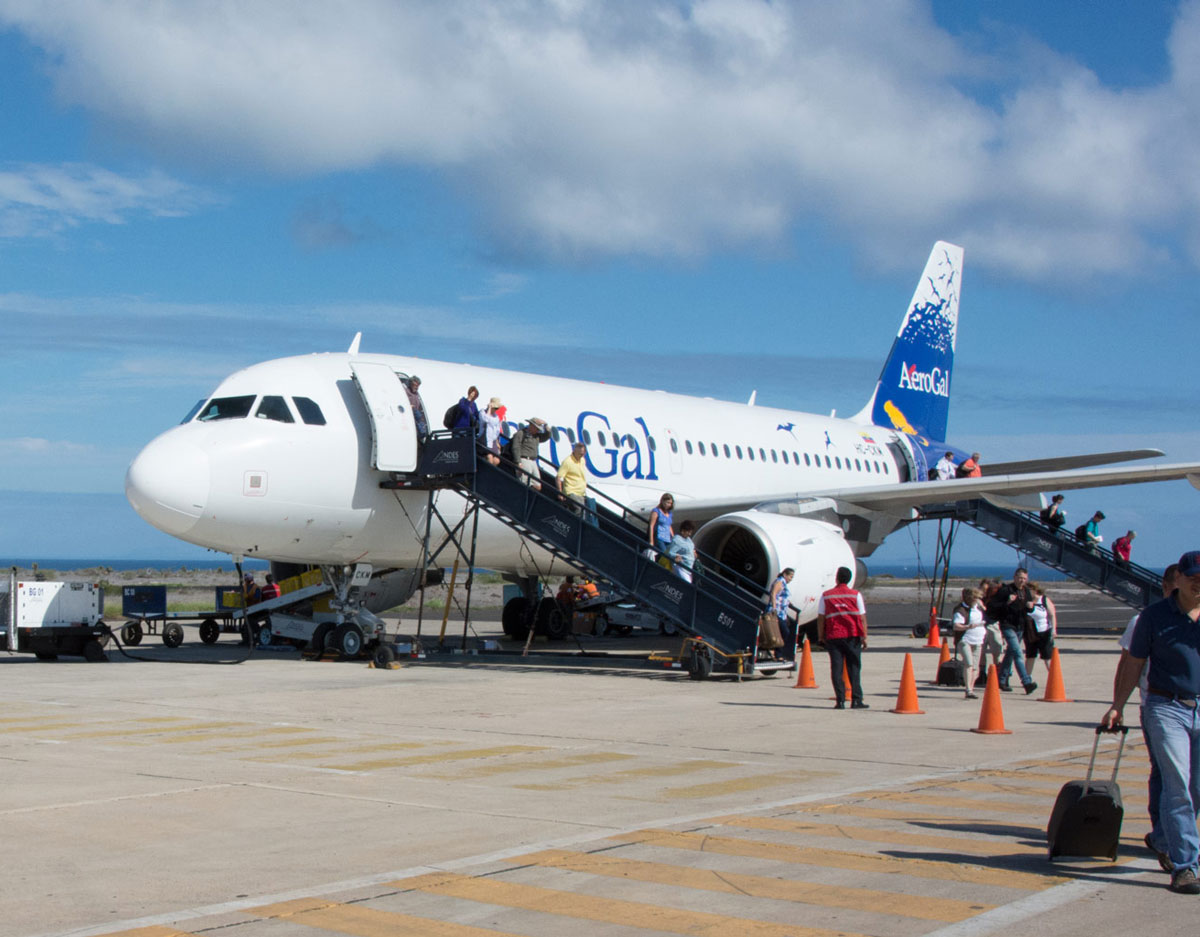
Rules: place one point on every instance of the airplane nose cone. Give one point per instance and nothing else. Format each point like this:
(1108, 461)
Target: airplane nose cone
(167, 484)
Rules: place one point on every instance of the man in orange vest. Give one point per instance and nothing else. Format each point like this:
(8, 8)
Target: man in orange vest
(842, 628)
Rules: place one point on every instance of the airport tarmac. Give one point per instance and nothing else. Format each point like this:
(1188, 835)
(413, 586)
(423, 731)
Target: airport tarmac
(472, 798)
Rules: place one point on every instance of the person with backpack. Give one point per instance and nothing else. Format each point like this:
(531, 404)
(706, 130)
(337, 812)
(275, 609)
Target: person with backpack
(465, 413)
(524, 444)
(969, 468)
(1089, 534)
(1052, 514)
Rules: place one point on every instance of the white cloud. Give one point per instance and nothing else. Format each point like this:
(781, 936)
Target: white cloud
(38, 200)
(661, 128)
(25, 446)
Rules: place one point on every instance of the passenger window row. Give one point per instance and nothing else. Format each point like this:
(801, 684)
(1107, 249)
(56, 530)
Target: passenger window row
(761, 454)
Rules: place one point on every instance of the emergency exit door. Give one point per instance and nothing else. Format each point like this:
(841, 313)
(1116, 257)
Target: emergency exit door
(393, 429)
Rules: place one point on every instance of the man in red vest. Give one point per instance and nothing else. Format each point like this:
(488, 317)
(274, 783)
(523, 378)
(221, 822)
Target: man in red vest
(842, 628)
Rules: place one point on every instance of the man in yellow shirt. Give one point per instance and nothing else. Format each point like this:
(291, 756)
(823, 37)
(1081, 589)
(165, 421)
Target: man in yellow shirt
(572, 476)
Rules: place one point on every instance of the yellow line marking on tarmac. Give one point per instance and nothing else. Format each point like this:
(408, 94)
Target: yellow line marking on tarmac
(549, 764)
(45, 726)
(835, 859)
(367, 922)
(283, 743)
(605, 910)
(156, 736)
(631, 774)
(347, 750)
(434, 759)
(977, 805)
(154, 930)
(947, 910)
(201, 736)
(737, 785)
(870, 835)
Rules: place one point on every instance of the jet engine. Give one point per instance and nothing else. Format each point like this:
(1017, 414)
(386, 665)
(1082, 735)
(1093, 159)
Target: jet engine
(758, 545)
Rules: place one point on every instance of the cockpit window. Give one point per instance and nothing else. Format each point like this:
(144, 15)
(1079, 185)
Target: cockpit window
(274, 408)
(192, 412)
(309, 412)
(226, 408)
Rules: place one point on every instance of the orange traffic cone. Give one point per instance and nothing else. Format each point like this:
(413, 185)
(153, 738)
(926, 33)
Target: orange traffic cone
(805, 678)
(935, 636)
(906, 700)
(991, 716)
(942, 658)
(1055, 691)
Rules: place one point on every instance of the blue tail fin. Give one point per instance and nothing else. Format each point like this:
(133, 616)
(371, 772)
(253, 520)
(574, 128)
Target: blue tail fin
(913, 393)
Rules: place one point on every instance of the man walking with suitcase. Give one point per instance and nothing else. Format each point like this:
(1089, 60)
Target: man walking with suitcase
(1167, 635)
(842, 628)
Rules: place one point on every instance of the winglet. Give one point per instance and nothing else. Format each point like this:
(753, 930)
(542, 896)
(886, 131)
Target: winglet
(353, 349)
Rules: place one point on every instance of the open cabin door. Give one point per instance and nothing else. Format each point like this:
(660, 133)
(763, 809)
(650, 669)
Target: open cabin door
(393, 430)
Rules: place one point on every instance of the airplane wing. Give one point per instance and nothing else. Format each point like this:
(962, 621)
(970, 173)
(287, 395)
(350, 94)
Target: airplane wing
(1068, 462)
(903, 500)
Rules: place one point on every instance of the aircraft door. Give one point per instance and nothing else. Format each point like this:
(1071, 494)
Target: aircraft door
(393, 431)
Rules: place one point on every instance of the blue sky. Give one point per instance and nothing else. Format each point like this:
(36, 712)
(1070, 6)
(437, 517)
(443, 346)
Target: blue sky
(710, 197)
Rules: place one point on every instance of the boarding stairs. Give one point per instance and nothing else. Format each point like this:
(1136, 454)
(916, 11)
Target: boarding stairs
(605, 541)
(1133, 585)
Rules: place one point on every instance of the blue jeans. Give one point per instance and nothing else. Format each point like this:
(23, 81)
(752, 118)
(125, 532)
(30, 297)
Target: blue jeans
(1014, 653)
(1153, 788)
(1174, 733)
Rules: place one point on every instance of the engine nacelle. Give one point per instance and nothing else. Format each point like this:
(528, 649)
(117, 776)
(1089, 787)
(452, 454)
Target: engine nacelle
(759, 544)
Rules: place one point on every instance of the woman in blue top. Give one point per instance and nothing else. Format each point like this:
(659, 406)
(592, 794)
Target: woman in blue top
(468, 410)
(659, 529)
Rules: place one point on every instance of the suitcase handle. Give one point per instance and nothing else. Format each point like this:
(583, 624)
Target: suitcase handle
(1101, 730)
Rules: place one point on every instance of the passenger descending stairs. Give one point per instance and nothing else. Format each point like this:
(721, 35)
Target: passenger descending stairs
(608, 543)
(1133, 585)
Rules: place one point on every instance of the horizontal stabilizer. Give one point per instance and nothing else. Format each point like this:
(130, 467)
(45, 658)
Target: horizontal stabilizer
(1026, 466)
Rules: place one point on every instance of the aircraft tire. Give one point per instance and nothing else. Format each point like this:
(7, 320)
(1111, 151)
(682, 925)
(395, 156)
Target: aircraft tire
(551, 620)
(209, 631)
(699, 662)
(348, 639)
(132, 633)
(172, 634)
(320, 638)
(514, 618)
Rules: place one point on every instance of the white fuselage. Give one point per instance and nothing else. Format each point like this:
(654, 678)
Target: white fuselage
(303, 492)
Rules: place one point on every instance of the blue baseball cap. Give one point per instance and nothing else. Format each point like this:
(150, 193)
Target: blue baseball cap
(1189, 563)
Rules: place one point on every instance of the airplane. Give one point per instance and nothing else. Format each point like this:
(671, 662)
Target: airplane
(284, 460)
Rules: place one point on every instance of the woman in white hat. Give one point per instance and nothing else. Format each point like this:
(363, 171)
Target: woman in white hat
(490, 428)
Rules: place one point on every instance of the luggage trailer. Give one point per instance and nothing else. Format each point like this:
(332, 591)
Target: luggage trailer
(47, 619)
(145, 611)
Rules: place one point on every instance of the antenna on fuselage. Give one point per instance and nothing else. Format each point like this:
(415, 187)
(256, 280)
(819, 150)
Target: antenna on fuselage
(353, 349)
(750, 402)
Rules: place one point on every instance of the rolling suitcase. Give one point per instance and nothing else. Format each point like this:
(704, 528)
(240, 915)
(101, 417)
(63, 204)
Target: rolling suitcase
(1086, 820)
